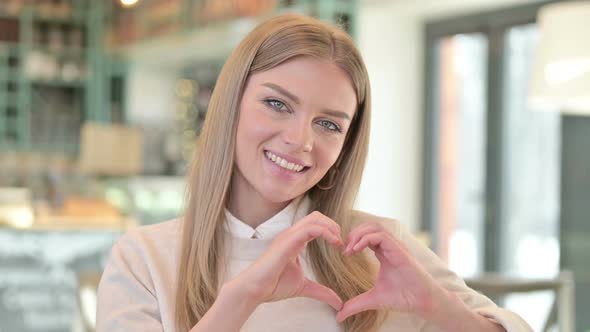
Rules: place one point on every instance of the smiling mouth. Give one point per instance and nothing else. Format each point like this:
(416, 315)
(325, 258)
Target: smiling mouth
(296, 168)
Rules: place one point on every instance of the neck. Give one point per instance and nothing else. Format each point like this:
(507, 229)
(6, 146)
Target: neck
(251, 208)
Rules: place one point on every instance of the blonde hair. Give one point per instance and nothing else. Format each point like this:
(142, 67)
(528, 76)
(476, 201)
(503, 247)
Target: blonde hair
(202, 257)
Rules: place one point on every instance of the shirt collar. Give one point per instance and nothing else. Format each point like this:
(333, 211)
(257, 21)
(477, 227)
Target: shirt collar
(271, 227)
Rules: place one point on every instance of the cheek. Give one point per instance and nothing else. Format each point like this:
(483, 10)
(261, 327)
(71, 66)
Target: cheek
(328, 152)
(253, 129)
(252, 132)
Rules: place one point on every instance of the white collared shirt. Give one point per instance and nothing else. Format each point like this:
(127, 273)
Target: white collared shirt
(270, 228)
(138, 289)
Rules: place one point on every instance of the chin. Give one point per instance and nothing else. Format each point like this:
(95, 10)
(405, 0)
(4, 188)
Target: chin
(276, 195)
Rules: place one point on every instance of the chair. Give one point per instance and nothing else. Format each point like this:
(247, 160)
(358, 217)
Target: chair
(562, 311)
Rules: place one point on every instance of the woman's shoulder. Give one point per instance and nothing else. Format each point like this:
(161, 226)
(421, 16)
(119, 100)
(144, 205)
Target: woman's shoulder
(150, 242)
(148, 253)
(154, 233)
(140, 274)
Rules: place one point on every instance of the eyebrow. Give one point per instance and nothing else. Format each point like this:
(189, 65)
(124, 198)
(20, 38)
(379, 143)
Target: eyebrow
(283, 91)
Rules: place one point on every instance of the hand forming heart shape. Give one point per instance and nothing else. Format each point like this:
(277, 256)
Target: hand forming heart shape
(401, 284)
(278, 275)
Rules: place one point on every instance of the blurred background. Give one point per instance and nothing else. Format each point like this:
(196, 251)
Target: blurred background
(480, 139)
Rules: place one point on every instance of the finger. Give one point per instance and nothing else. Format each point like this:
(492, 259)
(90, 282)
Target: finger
(313, 232)
(321, 293)
(297, 241)
(360, 303)
(377, 242)
(359, 232)
(292, 242)
(317, 217)
(387, 249)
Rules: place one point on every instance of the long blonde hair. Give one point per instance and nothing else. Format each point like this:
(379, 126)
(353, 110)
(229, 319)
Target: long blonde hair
(268, 45)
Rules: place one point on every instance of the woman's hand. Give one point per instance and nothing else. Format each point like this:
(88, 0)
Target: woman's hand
(401, 285)
(277, 273)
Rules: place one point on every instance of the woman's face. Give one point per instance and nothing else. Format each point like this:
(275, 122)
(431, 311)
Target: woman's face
(293, 121)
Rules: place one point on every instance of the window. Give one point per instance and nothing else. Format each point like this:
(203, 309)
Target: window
(492, 164)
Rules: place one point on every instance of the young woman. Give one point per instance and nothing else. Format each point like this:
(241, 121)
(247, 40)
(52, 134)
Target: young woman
(269, 240)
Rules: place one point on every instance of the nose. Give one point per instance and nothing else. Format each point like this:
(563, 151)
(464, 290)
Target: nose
(298, 136)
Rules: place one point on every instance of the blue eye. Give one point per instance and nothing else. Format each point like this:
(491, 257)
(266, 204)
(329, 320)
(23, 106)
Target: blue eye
(329, 125)
(277, 105)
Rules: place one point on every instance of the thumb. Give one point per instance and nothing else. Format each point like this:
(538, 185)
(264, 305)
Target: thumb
(321, 293)
(360, 303)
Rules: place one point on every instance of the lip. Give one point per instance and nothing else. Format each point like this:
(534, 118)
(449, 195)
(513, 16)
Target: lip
(289, 158)
(282, 174)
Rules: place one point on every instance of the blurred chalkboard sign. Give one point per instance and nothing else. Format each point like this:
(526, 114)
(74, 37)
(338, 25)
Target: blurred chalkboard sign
(39, 276)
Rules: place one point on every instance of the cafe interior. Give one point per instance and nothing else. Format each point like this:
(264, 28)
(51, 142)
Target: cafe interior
(480, 138)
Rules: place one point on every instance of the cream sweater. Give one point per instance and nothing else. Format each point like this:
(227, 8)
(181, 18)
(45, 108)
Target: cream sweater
(138, 287)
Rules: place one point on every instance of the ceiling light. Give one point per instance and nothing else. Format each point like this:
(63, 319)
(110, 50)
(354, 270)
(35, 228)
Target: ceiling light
(128, 3)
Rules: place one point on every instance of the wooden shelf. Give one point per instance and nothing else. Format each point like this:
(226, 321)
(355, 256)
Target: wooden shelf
(67, 51)
(7, 16)
(59, 83)
(78, 26)
(8, 46)
(9, 76)
(77, 224)
(69, 20)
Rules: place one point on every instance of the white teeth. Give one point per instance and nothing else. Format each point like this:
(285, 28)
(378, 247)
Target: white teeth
(283, 163)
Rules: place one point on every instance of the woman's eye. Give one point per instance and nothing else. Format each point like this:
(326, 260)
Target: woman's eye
(277, 105)
(329, 125)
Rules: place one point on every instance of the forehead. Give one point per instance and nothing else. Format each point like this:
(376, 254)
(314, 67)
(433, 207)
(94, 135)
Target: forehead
(313, 81)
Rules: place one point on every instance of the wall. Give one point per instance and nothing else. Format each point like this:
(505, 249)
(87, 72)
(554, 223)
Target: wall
(575, 229)
(151, 107)
(390, 37)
